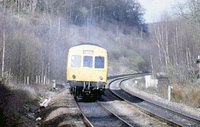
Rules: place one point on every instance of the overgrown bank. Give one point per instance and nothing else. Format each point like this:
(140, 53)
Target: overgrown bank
(18, 105)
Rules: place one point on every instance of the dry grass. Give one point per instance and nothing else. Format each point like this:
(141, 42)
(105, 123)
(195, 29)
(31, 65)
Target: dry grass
(189, 95)
(15, 102)
(193, 97)
(164, 92)
(178, 92)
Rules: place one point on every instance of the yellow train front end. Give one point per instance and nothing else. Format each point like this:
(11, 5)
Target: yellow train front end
(87, 69)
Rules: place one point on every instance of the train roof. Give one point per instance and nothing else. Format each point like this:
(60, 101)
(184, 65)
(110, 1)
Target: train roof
(87, 44)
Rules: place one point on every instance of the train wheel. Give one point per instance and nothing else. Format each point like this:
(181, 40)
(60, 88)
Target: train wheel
(77, 94)
(71, 90)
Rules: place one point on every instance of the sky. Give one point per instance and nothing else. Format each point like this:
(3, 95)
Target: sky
(155, 8)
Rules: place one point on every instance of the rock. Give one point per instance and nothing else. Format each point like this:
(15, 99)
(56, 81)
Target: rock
(39, 118)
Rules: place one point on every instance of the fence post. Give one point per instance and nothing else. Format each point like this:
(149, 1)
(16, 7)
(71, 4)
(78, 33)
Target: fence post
(28, 80)
(170, 89)
(54, 84)
(44, 80)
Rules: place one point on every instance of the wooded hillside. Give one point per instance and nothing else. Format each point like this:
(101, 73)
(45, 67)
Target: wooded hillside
(37, 34)
(83, 12)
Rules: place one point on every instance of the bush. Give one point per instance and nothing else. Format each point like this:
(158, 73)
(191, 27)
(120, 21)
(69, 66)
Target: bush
(143, 66)
(178, 93)
(7, 76)
(188, 95)
(13, 101)
(193, 97)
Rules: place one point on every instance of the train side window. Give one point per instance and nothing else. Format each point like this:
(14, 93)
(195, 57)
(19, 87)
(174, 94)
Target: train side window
(99, 62)
(87, 61)
(76, 61)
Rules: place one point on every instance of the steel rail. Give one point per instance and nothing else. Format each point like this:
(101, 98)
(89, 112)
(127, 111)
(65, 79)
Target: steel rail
(124, 121)
(171, 122)
(144, 110)
(114, 78)
(112, 117)
(181, 114)
(87, 122)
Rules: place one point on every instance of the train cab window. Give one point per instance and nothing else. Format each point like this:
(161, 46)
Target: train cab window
(99, 62)
(87, 61)
(76, 61)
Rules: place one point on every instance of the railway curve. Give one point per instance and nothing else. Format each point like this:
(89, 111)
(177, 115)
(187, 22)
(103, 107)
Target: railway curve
(168, 115)
(109, 110)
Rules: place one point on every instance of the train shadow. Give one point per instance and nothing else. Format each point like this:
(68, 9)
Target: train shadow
(110, 96)
(128, 97)
(89, 99)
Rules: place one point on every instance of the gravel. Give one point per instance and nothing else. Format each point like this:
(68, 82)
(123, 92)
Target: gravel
(98, 116)
(62, 111)
(131, 86)
(132, 115)
(129, 112)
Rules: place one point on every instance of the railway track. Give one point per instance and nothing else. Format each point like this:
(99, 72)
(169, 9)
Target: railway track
(96, 115)
(157, 110)
(112, 111)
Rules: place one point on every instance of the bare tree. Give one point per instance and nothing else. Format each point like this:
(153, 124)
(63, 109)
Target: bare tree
(3, 50)
(175, 48)
(3, 39)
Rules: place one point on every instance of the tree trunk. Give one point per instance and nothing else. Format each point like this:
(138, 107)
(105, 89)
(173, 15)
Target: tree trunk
(3, 50)
(18, 7)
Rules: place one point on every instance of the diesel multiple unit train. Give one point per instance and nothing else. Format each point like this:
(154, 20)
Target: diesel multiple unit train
(87, 70)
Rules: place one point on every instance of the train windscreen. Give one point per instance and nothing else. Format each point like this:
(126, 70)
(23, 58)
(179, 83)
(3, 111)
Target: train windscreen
(99, 62)
(87, 61)
(75, 61)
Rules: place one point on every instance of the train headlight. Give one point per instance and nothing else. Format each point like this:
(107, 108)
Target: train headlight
(101, 78)
(73, 76)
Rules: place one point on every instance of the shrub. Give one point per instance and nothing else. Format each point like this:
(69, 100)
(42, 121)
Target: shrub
(143, 66)
(178, 93)
(193, 97)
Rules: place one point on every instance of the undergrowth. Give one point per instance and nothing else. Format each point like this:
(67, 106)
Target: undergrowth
(15, 103)
(189, 95)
